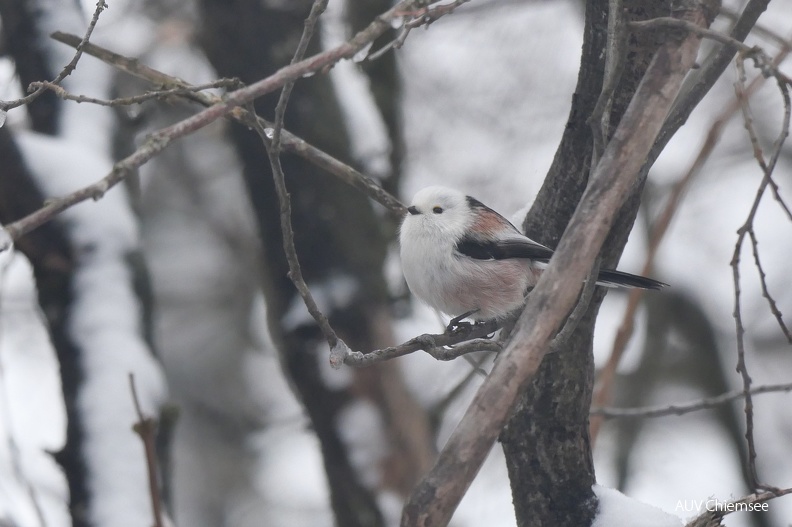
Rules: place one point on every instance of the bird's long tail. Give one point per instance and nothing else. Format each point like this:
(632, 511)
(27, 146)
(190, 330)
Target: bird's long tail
(611, 278)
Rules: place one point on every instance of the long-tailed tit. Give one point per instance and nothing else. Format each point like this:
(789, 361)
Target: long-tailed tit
(463, 258)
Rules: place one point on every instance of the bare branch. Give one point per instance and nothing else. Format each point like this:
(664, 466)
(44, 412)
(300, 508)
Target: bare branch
(66, 71)
(712, 518)
(273, 151)
(162, 138)
(748, 229)
(136, 99)
(700, 81)
(765, 292)
(757, 54)
(429, 342)
(146, 428)
(602, 394)
(289, 142)
(686, 408)
(758, 29)
(423, 16)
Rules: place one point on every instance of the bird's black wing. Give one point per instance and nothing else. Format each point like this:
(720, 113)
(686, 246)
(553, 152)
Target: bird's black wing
(610, 278)
(482, 249)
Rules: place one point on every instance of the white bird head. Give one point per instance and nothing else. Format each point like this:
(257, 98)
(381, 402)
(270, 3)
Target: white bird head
(439, 210)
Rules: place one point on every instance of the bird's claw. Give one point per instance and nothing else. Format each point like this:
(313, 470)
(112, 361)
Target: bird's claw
(456, 323)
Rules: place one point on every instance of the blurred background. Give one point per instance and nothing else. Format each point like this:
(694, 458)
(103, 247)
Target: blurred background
(179, 277)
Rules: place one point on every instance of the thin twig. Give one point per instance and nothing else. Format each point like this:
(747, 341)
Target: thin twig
(602, 394)
(765, 292)
(757, 54)
(273, 151)
(135, 99)
(146, 428)
(66, 71)
(748, 229)
(160, 139)
(758, 29)
(423, 342)
(424, 16)
(289, 142)
(686, 408)
(713, 517)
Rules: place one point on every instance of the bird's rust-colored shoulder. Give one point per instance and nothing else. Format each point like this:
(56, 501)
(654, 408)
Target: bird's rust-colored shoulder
(487, 221)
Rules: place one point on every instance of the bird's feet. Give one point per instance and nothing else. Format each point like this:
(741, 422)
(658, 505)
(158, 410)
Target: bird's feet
(456, 324)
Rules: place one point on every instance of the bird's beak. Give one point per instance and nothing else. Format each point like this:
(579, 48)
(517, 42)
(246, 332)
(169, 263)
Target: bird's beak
(412, 210)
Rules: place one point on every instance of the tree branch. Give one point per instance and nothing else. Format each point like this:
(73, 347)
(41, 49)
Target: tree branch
(431, 343)
(757, 54)
(713, 518)
(703, 79)
(272, 142)
(289, 142)
(66, 71)
(602, 395)
(146, 428)
(748, 229)
(162, 138)
(686, 408)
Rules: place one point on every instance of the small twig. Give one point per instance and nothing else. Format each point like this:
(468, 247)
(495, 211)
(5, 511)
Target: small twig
(765, 292)
(229, 105)
(602, 394)
(712, 518)
(423, 342)
(289, 142)
(758, 29)
(686, 408)
(273, 151)
(468, 338)
(146, 428)
(747, 229)
(135, 99)
(757, 54)
(66, 71)
(424, 16)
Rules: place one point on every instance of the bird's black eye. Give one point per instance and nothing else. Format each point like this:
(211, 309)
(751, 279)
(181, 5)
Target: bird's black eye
(437, 210)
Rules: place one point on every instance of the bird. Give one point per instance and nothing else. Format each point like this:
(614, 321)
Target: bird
(465, 260)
